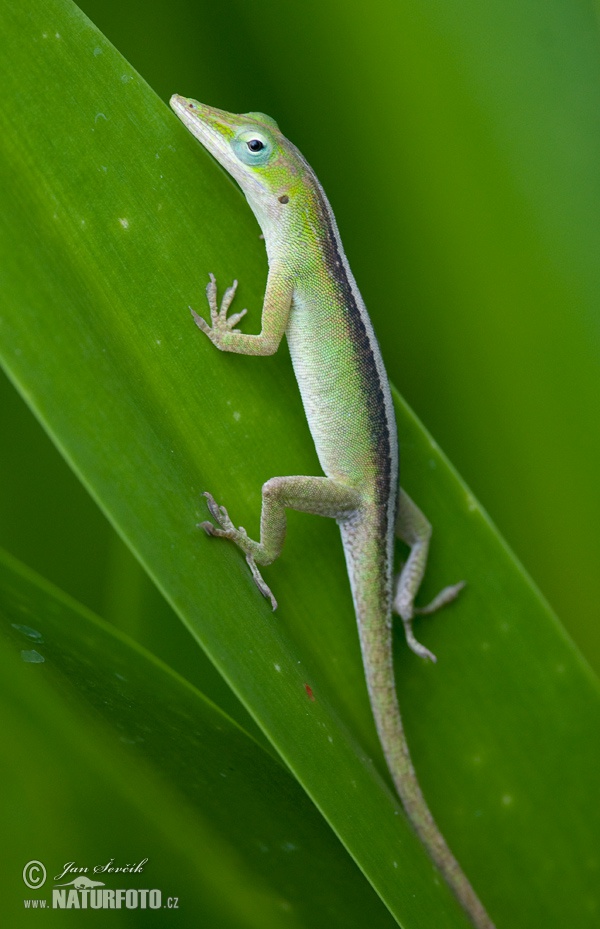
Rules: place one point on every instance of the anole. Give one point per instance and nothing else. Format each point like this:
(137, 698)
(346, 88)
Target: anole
(311, 297)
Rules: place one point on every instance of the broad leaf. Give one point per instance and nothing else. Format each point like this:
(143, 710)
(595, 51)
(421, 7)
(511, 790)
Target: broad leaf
(134, 768)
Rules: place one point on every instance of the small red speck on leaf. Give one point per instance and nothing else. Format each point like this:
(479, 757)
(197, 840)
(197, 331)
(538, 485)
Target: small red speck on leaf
(309, 692)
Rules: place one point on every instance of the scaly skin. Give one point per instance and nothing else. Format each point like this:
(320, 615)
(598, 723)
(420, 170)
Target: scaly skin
(312, 297)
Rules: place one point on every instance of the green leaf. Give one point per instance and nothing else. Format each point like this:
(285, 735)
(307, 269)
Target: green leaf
(113, 218)
(157, 776)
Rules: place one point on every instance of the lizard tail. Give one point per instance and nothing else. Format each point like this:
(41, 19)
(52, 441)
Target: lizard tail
(372, 603)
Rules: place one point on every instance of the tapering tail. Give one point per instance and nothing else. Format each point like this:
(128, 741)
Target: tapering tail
(372, 602)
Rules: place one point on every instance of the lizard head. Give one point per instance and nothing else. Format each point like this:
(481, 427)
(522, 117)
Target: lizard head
(251, 147)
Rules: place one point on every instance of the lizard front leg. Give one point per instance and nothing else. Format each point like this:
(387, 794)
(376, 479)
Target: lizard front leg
(222, 328)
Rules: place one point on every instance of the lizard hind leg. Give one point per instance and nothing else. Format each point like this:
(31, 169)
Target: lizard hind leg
(318, 495)
(413, 527)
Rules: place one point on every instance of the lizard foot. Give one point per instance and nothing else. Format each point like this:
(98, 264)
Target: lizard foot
(227, 530)
(408, 611)
(220, 323)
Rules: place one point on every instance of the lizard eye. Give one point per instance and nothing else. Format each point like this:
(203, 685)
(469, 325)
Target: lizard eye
(252, 146)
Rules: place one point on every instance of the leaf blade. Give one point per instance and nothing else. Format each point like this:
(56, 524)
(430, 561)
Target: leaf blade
(133, 750)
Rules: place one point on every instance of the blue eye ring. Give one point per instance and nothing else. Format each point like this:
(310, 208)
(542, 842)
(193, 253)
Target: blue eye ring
(253, 147)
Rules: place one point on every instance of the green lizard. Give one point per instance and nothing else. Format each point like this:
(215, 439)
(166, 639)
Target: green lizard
(312, 297)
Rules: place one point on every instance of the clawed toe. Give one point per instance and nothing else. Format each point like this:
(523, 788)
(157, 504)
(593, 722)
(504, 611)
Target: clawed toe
(200, 322)
(260, 583)
(447, 595)
(417, 647)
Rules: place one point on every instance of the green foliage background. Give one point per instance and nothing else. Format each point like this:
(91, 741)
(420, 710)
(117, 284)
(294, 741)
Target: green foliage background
(458, 144)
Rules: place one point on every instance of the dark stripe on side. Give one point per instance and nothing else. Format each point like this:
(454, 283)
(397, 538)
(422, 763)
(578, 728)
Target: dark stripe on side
(372, 387)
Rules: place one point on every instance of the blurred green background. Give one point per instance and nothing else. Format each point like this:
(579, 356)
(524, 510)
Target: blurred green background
(458, 144)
